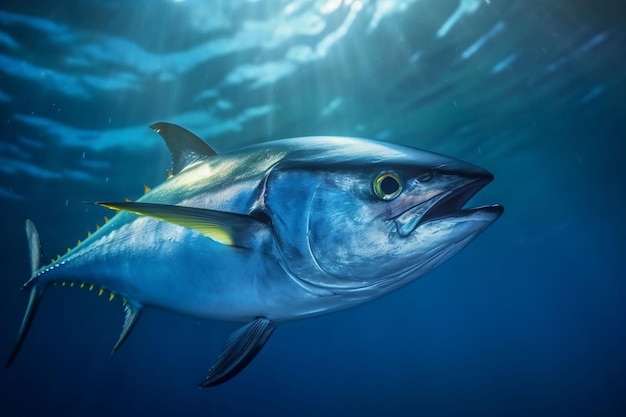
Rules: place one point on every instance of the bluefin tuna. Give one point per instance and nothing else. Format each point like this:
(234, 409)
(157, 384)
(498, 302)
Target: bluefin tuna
(271, 233)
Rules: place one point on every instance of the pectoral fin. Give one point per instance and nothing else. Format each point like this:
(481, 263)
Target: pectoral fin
(223, 227)
(240, 348)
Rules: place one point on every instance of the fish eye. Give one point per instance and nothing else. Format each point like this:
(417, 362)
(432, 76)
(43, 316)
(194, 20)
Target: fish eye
(387, 185)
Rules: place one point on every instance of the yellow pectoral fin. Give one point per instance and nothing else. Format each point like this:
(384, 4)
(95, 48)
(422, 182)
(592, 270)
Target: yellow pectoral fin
(227, 228)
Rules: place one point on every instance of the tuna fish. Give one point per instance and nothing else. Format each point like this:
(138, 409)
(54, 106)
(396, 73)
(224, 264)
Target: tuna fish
(271, 233)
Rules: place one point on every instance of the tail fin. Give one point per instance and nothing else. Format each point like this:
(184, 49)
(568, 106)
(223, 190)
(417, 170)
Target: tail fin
(36, 291)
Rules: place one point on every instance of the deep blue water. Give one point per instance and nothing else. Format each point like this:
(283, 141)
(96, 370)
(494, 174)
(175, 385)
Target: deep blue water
(530, 319)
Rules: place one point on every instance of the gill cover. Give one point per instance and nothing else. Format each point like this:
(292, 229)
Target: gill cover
(321, 218)
(358, 244)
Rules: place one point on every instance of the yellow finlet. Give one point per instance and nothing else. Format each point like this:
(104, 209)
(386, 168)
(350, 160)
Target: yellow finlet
(111, 297)
(100, 292)
(82, 285)
(146, 189)
(79, 242)
(88, 233)
(69, 250)
(58, 257)
(72, 284)
(106, 219)
(97, 227)
(169, 174)
(63, 283)
(91, 287)
(128, 200)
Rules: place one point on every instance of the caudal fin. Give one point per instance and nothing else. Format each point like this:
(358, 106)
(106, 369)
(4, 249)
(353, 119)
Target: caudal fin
(36, 289)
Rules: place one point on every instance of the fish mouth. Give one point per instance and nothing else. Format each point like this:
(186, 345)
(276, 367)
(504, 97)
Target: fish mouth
(448, 204)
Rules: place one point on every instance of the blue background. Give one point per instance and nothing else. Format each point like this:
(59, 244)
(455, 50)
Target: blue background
(530, 319)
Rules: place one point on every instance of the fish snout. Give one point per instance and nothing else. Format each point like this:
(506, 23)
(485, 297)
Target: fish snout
(454, 184)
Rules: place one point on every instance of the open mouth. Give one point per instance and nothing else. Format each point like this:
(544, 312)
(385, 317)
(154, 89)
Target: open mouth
(445, 205)
(451, 203)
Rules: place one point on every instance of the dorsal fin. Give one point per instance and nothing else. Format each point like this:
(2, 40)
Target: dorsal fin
(185, 146)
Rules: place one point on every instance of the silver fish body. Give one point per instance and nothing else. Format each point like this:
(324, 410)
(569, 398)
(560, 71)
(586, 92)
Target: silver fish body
(274, 232)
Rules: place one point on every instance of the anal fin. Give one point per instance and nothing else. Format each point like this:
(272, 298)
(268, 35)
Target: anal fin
(240, 348)
(132, 313)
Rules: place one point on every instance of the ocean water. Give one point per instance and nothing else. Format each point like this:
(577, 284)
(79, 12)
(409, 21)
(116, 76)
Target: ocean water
(529, 320)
